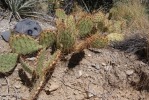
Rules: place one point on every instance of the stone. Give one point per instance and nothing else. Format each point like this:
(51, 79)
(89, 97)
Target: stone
(17, 86)
(31, 59)
(129, 72)
(5, 35)
(25, 26)
(53, 87)
(29, 27)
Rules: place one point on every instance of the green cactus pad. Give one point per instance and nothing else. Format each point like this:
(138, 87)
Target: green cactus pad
(47, 71)
(40, 63)
(8, 62)
(47, 38)
(51, 62)
(116, 26)
(70, 23)
(23, 44)
(98, 17)
(65, 40)
(115, 37)
(85, 26)
(26, 66)
(98, 41)
(60, 13)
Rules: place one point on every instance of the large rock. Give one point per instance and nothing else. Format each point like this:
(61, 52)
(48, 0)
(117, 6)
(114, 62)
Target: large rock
(29, 27)
(25, 26)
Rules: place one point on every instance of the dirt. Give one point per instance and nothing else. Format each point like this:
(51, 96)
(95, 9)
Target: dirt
(110, 73)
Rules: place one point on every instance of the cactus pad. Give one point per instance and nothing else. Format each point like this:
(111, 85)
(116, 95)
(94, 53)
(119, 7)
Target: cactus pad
(65, 40)
(115, 37)
(47, 38)
(40, 63)
(70, 23)
(98, 17)
(97, 41)
(26, 66)
(85, 26)
(23, 44)
(8, 62)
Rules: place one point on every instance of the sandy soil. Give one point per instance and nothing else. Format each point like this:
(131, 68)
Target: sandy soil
(101, 74)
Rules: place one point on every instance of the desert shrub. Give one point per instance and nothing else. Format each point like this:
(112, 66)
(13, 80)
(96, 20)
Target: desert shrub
(133, 12)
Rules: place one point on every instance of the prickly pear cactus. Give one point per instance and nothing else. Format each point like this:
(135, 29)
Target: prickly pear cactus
(47, 38)
(65, 40)
(7, 62)
(23, 44)
(47, 70)
(60, 13)
(85, 26)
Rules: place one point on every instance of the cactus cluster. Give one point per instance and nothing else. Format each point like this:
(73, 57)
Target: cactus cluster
(73, 34)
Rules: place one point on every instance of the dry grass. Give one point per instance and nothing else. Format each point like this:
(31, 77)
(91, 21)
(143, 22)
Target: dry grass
(133, 12)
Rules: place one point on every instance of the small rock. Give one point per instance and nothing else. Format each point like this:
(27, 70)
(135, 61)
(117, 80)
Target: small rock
(89, 55)
(108, 68)
(17, 86)
(103, 64)
(96, 66)
(53, 87)
(80, 73)
(129, 72)
(90, 95)
(5, 35)
(31, 59)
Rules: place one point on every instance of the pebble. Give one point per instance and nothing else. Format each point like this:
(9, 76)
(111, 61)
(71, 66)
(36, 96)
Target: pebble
(103, 64)
(17, 86)
(129, 72)
(90, 95)
(53, 87)
(108, 68)
(31, 59)
(80, 73)
(96, 66)
(89, 55)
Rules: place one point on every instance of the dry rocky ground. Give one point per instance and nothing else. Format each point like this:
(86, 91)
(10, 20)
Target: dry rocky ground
(101, 74)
